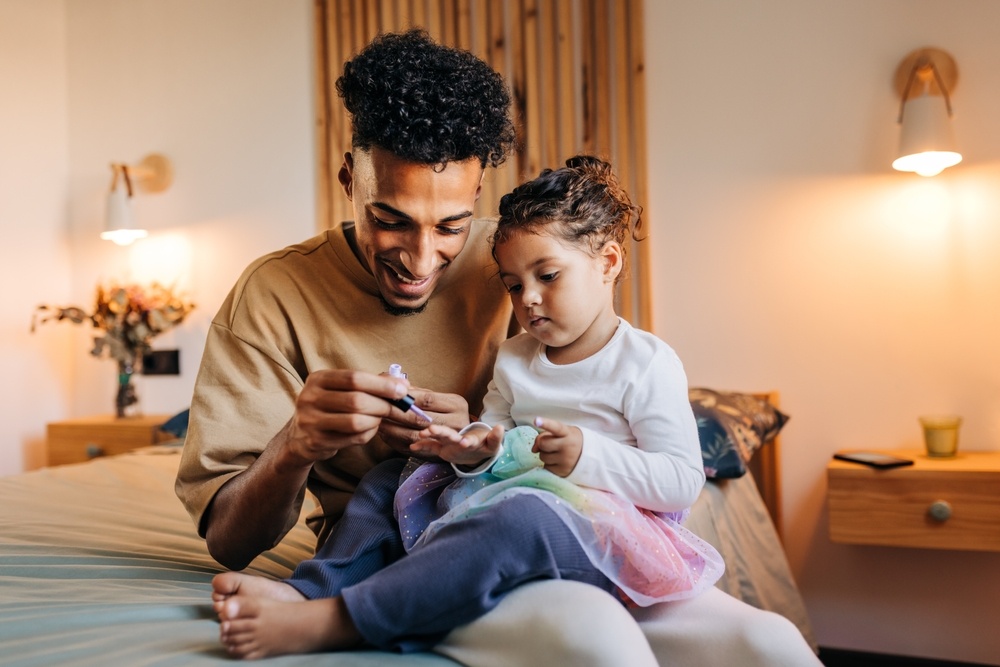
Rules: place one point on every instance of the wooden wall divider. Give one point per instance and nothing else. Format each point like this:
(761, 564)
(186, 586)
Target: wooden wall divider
(576, 71)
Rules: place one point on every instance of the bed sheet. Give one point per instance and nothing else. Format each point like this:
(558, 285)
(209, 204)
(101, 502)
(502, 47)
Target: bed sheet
(100, 565)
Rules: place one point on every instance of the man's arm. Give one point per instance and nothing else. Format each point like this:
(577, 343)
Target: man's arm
(334, 410)
(250, 511)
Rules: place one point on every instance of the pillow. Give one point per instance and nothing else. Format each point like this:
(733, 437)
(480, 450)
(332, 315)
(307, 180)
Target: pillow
(178, 424)
(731, 427)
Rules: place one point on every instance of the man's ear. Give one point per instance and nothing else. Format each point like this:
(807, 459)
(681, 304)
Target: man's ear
(613, 258)
(346, 175)
(479, 188)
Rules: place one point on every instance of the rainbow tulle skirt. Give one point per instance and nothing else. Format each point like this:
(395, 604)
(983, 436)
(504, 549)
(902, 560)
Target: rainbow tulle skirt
(650, 556)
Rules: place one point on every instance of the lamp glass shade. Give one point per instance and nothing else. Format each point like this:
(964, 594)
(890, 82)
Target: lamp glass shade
(926, 141)
(120, 225)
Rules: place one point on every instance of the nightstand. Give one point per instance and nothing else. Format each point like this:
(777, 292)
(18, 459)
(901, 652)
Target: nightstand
(946, 503)
(79, 440)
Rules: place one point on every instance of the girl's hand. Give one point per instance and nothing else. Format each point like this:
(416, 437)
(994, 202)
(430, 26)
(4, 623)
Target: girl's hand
(558, 445)
(471, 449)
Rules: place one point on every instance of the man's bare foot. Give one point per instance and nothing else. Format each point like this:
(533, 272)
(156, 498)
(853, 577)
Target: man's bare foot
(259, 627)
(228, 584)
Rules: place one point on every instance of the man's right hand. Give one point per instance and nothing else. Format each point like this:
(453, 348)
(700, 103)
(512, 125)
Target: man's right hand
(338, 409)
(334, 410)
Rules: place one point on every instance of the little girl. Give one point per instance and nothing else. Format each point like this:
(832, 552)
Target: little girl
(583, 466)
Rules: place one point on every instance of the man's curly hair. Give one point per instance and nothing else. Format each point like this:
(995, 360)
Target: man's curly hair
(426, 102)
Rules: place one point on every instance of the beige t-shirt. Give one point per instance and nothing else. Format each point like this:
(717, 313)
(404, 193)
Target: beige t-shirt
(314, 306)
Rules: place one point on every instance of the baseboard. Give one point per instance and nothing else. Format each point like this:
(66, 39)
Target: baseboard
(835, 657)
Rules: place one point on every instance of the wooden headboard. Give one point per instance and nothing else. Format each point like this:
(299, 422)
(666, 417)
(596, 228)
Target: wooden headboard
(765, 466)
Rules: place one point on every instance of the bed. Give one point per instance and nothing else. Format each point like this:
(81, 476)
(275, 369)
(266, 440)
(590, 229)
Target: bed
(100, 564)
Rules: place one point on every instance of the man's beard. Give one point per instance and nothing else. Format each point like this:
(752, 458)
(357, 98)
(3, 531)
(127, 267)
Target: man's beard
(402, 311)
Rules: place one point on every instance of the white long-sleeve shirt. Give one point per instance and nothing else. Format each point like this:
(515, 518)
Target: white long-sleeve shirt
(630, 400)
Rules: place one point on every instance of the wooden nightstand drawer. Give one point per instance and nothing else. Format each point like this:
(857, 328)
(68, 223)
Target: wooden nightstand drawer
(79, 440)
(936, 503)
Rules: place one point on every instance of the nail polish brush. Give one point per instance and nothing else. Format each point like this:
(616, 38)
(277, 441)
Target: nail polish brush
(406, 403)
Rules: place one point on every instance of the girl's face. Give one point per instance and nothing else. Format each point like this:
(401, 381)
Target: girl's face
(562, 295)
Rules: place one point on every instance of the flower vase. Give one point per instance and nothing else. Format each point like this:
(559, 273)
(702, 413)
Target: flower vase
(126, 400)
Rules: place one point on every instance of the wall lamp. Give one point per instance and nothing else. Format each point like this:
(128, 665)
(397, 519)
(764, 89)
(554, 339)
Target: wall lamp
(923, 81)
(153, 174)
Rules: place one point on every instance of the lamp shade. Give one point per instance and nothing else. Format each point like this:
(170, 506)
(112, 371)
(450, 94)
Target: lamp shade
(926, 141)
(924, 81)
(119, 224)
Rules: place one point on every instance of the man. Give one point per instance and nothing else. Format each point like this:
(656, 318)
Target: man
(291, 393)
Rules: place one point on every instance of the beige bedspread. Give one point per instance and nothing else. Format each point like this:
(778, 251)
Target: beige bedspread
(100, 565)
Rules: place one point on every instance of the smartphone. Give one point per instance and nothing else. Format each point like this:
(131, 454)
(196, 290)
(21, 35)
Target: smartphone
(873, 459)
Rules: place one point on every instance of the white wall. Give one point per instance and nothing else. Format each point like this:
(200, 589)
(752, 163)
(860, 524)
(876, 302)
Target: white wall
(224, 90)
(34, 254)
(792, 257)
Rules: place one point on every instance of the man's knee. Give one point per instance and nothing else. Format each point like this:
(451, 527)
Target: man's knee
(552, 622)
(774, 641)
(716, 628)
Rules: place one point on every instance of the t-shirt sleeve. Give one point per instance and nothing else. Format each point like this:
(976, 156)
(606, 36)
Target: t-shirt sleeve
(244, 395)
(663, 472)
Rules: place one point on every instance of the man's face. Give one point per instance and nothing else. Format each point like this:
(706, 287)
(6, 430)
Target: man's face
(411, 220)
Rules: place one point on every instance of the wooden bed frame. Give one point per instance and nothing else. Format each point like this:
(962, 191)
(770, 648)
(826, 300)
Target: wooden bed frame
(765, 466)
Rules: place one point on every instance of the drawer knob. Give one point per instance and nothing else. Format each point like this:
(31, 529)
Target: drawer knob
(93, 451)
(940, 510)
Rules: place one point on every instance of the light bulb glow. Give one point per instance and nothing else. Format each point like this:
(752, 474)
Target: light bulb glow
(928, 163)
(124, 236)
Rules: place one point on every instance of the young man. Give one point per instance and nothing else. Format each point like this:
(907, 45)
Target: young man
(290, 395)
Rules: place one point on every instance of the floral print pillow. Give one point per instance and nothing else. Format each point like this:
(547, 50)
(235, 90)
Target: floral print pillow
(731, 427)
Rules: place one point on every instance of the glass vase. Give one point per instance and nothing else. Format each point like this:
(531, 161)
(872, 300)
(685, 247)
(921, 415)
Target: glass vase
(126, 399)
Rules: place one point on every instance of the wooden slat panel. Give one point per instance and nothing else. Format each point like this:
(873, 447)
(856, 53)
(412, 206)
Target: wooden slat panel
(641, 260)
(499, 181)
(480, 29)
(552, 111)
(518, 81)
(404, 14)
(565, 102)
(530, 70)
(621, 148)
(602, 79)
(435, 24)
(371, 18)
(449, 22)
(463, 24)
(344, 47)
(324, 114)
(418, 14)
(388, 15)
(587, 92)
(356, 26)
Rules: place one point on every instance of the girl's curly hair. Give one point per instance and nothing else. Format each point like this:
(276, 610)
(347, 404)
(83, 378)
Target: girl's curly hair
(426, 102)
(582, 203)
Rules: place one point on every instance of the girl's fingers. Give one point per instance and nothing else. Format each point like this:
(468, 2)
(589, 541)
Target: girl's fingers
(556, 428)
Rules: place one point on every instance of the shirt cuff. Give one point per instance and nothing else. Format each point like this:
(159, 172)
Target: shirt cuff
(485, 465)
